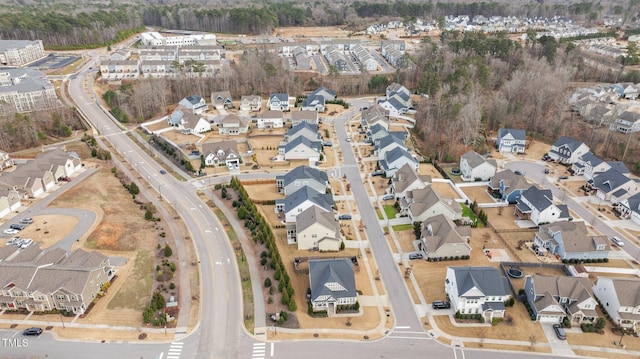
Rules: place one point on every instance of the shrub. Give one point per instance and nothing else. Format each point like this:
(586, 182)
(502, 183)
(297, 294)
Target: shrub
(270, 300)
(172, 266)
(172, 286)
(167, 250)
(267, 282)
(263, 261)
(292, 305)
(285, 298)
(147, 315)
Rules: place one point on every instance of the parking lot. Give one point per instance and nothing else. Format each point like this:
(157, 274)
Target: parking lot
(53, 62)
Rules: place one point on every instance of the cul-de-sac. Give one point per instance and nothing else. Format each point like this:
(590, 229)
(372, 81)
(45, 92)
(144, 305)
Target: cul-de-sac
(283, 179)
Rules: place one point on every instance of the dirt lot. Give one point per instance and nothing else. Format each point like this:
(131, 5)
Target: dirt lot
(428, 169)
(445, 189)
(47, 230)
(501, 217)
(303, 32)
(478, 194)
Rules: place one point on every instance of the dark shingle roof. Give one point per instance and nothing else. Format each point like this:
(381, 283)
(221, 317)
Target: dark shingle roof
(486, 279)
(305, 172)
(325, 271)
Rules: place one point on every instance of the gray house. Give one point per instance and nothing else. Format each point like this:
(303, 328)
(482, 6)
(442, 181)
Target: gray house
(570, 240)
(302, 199)
(302, 176)
(511, 140)
(552, 298)
(332, 283)
(441, 238)
(567, 150)
(507, 186)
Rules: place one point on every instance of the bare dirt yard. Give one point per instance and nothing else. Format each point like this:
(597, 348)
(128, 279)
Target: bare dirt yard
(428, 169)
(445, 189)
(478, 194)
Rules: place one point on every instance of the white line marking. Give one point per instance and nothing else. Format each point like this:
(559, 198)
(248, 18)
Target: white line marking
(178, 343)
(406, 332)
(173, 356)
(175, 350)
(258, 350)
(161, 355)
(259, 344)
(403, 327)
(272, 345)
(421, 338)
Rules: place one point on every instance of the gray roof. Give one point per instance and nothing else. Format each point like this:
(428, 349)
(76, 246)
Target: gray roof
(487, 280)
(516, 134)
(591, 158)
(619, 166)
(634, 203)
(443, 231)
(474, 159)
(425, 198)
(407, 175)
(609, 180)
(313, 100)
(31, 80)
(325, 92)
(315, 214)
(375, 113)
(628, 291)
(322, 200)
(397, 153)
(302, 173)
(304, 116)
(540, 199)
(194, 99)
(283, 97)
(301, 140)
(13, 44)
(325, 271)
(569, 142)
(304, 126)
(574, 236)
(227, 147)
(574, 288)
(512, 181)
(389, 140)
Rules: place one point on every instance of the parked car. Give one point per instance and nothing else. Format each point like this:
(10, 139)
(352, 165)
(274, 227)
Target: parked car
(17, 226)
(518, 173)
(348, 139)
(415, 256)
(546, 171)
(344, 217)
(26, 243)
(328, 144)
(559, 332)
(32, 331)
(11, 231)
(163, 172)
(618, 242)
(13, 240)
(387, 197)
(27, 220)
(377, 173)
(563, 177)
(441, 305)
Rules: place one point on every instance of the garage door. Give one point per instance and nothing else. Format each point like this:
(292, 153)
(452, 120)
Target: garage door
(549, 319)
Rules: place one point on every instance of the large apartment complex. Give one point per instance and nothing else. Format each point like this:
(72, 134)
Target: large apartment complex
(27, 90)
(20, 52)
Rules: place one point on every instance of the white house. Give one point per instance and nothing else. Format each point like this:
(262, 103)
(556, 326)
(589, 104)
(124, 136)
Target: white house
(332, 283)
(441, 239)
(221, 153)
(221, 100)
(407, 179)
(250, 103)
(396, 158)
(278, 102)
(620, 298)
(300, 200)
(511, 140)
(477, 290)
(270, 119)
(474, 167)
(629, 208)
(194, 124)
(612, 185)
(193, 103)
(233, 125)
(313, 103)
(421, 204)
(310, 117)
(537, 206)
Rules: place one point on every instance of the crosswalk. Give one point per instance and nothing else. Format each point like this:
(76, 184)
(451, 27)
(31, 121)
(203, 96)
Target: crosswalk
(174, 350)
(259, 350)
(400, 332)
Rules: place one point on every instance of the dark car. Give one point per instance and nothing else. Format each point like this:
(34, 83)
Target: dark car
(518, 173)
(377, 173)
(441, 305)
(19, 227)
(163, 172)
(344, 217)
(546, 171)
(32, 331)
(559, 332)
(415, 256)
(563, 177)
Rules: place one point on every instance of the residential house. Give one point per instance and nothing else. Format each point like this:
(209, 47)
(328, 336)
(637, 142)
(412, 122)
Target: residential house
(310, 117)
(552, 298)
(407, 179)
(317, 229)
(626, 90)
(300, 200)
(332, 283)
(301, 148)
(570, 240)
(423, 203)
(270, 119)
(38, 281)
(221, 100)
(303, 129)
(589, 164)
(10, 199)
(120, 69)
(375, 115)
(302, 60)
(233, 125)
(313, 103)
(250, 103)
(398, 100)
(193, 103)
(365, 59)
(507, 186)
(5, 161)
(567, 150)
(629, 208)
(60, 163)
(394, 159)
(388, 143)
(620, 299)
(194, 124)
(329, 95)
(302, 176)
(611, 185)
(120, 55)
(176, 117)
(477, 290)
(474, 167)
(29, 178)
(335, 58)
(221, 153)
(536, 205)
(441, 239)
(627, 122)
(278, 102)
(378, 132)
(511, 140)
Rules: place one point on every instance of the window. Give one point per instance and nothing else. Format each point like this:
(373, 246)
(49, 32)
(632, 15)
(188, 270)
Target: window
(314, 236)
(61, 297)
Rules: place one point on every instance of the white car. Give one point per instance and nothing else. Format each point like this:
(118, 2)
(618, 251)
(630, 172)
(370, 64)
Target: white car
(617, 241)
(11, 231)
(26, 243)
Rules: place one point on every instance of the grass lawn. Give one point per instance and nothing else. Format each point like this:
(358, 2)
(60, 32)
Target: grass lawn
(467, 212)
(390, 211)
(403, 227)
(134, 293)
(379, 213)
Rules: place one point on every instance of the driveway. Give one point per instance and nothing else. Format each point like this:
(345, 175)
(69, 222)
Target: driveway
(558, 347)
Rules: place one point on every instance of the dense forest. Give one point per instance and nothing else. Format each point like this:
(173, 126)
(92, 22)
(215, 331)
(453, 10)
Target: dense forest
(22, 131)
(63, 24)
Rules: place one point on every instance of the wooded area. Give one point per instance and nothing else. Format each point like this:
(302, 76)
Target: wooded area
(22, 131)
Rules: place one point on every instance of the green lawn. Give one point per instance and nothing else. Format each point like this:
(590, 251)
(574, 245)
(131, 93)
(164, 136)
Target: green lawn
(379, 213)
(467, 212)
(403, 227)
(390, 211)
